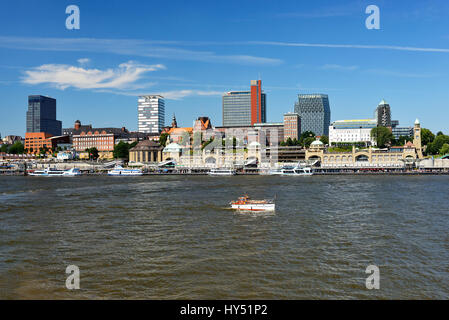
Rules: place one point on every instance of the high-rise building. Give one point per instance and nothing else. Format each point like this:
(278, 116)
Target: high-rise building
(151, 113)
(383, 114)
(41, 115)
(292, 126)
(315, 113)
(245, 108)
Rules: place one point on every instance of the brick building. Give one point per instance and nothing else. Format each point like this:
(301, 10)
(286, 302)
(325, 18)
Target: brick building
(34, 141)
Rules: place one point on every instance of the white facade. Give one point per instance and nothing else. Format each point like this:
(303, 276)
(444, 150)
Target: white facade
(350, 135)
(151, 113)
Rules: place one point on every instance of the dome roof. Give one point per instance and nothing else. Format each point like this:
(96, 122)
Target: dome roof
(146, 145)
(317, 143)
(382, 102)
(172, 147)
(416, 121)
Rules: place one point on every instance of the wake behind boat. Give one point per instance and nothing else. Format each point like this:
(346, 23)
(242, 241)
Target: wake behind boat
(244, 203)
(120, 171)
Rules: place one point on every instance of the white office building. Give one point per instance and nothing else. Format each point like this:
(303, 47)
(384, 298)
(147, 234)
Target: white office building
(351, 131)
(151, 113)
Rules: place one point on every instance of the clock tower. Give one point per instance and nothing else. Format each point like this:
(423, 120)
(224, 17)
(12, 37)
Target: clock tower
(417, 139)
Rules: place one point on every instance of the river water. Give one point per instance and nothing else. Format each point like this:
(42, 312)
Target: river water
(172, 237)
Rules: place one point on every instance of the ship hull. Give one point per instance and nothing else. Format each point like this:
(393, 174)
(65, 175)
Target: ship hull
(254, 207)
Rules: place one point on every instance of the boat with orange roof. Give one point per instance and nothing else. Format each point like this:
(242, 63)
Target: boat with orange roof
(246, 204)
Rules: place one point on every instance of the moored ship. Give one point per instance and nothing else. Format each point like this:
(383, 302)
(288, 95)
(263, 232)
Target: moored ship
(222, 172)
(296, 171)
(56, 173)
(120, 171)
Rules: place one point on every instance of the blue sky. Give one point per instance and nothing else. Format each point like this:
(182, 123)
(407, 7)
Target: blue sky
(193, 51)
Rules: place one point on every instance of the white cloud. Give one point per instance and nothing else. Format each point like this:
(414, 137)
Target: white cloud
(168, 95)
(63, 76)
(348, 46)
(142, 48)
(179, 94)
(338, 67)
(83, 61)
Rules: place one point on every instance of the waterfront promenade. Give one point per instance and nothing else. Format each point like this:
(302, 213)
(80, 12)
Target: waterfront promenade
(101, 168)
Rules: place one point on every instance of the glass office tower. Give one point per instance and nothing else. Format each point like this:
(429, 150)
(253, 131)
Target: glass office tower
(41, 115)
(245, 108)
(315, 113)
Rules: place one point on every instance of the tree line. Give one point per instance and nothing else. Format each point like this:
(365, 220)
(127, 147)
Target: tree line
(432, 144)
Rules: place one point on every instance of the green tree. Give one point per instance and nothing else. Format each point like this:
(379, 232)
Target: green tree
(16, 148)
(121, 150)
(439, 133)
(444, 149)
(304, 135)
(163, 139)
(4, 148)
(324, 139)
(43, 151)
(289, 141)
(437, 144)
(307, 141)
(93, 153)
(426, 136)
(382, 136)
(401, 141)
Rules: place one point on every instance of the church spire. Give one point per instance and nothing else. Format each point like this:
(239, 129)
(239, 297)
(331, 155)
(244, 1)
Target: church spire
(174, 124)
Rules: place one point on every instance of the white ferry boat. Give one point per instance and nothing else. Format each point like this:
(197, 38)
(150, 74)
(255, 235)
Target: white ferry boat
(222, 172)
(296, 171)
(56, 173)
(244, 203)
(120, 171)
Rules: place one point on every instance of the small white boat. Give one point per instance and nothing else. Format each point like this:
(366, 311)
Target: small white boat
(222, 172)
(120, 171)
(56, 173)
(244, 203)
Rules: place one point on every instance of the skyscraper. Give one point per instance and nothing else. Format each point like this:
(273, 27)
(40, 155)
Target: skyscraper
(245, 108)
(315, 113)
(151, 113)
(41, 115)
(383, 114)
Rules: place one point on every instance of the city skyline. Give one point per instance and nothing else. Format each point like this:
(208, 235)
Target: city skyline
(96, 73)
